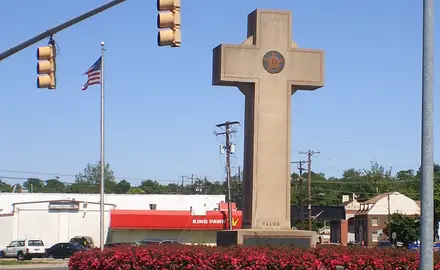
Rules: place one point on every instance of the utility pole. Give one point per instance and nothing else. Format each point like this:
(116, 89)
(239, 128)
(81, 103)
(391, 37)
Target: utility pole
(227, 125)
(309, 163)
(301, 180)
(181, 185)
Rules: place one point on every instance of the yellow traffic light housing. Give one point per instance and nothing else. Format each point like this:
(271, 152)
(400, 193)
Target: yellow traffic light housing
(168, 37)
(46, 67)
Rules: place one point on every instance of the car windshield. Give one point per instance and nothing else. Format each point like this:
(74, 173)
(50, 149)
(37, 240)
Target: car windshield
(35, 243)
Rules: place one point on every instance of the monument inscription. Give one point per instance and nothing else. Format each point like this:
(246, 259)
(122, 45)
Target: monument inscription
(268, 67)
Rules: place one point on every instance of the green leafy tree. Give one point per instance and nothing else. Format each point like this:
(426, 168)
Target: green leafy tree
(34, 185)
(54, 186)
(405, 227)
(5, 187)
(89, 180)
(135, 190)
(172, 188)
(405, 175)
(152, 187)
(122, 187)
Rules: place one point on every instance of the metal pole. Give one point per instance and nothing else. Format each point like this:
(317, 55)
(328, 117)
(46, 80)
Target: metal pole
(58, 28)
(427, 181)
(309, 188)
(101, 239)
(389, 217)
(228, 175)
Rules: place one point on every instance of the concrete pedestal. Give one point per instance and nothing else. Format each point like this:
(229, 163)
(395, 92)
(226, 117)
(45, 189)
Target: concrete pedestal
(261, 237)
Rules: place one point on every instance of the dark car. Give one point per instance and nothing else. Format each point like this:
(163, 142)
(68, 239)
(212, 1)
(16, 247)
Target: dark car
(118, 244)
(63, 250)
(148, 242)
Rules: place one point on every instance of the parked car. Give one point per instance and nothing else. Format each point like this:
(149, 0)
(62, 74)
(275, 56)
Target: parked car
(63, 250)
(85, 241)
(26, 249)
(118, 244)
(148, 242)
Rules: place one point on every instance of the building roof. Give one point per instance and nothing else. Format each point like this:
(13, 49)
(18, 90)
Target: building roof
(419, 203)
(397, 203)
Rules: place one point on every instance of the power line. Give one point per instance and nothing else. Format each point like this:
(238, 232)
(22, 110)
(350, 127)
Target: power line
(70, 175)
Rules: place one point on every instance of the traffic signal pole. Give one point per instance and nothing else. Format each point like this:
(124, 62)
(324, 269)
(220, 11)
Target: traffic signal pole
(58, 28)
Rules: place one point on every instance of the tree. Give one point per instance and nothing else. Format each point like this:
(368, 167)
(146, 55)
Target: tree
(122, 187)
(352, 174)
(89, 180)
(405, 227)
(34, 185)
(54, 186)
(405, 175)
(152, 187)
(5, 187)
(135, 190)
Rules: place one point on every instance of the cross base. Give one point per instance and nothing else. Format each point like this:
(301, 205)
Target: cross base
(261, 237)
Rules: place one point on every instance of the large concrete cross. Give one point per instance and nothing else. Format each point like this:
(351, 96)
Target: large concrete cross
(267, 68)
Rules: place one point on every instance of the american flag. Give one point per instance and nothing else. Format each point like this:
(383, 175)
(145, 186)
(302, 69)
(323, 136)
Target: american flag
(93, 74)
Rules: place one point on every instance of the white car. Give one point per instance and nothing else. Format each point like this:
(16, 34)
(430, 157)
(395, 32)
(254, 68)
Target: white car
(24, 249)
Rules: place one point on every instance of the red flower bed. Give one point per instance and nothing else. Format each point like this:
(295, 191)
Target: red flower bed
(202, 257)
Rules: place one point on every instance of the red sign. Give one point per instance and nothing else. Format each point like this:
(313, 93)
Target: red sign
(172, 220)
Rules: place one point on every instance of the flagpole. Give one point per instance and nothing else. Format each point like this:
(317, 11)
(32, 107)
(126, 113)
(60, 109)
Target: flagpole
(102, 182)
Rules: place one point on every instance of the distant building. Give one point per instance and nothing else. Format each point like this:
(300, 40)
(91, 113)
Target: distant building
(343, 230)
(371, 218)
(59, 217)
(352, 206)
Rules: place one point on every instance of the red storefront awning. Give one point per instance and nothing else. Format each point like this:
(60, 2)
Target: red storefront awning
(172, 220)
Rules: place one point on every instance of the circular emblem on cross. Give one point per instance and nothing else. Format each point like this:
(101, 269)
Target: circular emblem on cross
(273, 62)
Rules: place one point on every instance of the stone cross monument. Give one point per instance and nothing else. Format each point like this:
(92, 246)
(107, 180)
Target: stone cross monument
(268, 67)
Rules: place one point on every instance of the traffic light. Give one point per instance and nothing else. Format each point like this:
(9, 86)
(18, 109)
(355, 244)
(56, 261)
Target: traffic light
(171, 20)
(46, 67)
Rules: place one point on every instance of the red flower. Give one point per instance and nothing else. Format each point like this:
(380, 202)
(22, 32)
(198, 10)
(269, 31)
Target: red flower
(203, 257)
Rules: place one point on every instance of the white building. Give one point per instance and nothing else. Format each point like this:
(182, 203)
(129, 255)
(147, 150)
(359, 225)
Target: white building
(59, 217)
(371, 218)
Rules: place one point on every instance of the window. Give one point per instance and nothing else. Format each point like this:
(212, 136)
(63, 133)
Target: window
(375, 237)
(375, 222)
(153, 206)
(35, 243)
(20, 243)
(12, 244)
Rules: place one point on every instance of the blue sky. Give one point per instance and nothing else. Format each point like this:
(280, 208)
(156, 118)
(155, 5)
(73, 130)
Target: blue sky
(161, 108)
